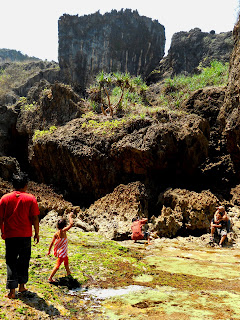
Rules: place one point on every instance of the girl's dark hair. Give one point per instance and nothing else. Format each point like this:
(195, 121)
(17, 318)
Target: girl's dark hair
(61, 224)
(20, 180)
(135, 219)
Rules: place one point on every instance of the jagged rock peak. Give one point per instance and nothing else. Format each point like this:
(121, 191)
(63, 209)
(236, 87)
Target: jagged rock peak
(118, 41)
(189, 49)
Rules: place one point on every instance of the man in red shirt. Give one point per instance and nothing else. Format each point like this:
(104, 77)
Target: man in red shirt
(137, 230)
(18, 212)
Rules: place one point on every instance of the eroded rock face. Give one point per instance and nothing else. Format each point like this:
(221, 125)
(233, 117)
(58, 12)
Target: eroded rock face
(218, 168)
(87, 165)
(8, 167)
(184, 211)
(117, 41)
(8, 118)
(112, 215)
(49, 105)
(189, 49)
(230, 112)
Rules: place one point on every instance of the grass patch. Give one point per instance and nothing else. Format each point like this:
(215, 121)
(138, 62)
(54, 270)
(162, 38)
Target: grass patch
(177, 89)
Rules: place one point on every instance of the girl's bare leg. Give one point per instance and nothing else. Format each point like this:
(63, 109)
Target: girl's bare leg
(55, 269)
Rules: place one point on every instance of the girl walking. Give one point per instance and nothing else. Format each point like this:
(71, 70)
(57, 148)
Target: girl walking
(61, 244)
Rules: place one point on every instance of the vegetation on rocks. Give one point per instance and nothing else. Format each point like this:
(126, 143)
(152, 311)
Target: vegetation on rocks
(128, 97)
(40, 133)
(177, 89)
(115, 91)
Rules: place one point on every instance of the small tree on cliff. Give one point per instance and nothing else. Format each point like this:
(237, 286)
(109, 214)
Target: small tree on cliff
(106, 86)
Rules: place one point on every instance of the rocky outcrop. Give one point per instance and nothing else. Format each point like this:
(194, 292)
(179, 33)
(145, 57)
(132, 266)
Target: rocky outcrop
(218, 169)
(8, 167)
(189, 49)
(118, 41)
(19, 78)
(184, 212)
(86, 164)
(8, 118)
(47, 105)
(47, 71)
(112, 215)
(229, 116)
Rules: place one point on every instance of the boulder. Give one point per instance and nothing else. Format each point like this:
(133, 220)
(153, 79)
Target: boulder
(85, 164)
(112, 215)
(184, 212)
(8, 167)
(218, 169)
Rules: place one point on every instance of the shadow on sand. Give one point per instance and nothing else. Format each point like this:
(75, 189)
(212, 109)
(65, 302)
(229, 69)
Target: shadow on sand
(68, 282)
(33, 300)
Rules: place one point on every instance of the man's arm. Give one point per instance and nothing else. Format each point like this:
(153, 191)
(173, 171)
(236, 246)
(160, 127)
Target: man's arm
(1, 226)
(216, 225)
(35, 222)
(224, 217)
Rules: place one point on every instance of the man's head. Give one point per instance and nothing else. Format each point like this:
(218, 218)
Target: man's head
(20, 181)
(221, 210)
(218, 215)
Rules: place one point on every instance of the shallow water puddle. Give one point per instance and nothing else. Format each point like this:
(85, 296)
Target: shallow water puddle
(90, 301)
(102, 294)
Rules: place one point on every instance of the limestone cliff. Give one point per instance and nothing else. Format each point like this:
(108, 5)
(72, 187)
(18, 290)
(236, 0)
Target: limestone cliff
(118, 41)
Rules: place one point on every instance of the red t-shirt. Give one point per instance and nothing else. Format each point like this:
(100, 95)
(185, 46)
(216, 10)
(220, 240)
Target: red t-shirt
(137, 229)
(17, 209)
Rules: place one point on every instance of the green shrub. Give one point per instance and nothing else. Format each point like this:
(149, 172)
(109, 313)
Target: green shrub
(116, 90)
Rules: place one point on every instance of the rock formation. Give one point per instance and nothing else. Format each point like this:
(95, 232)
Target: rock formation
(8, 118)
(189, 49)
(229, 115)
(118, 41)
(184, 212)
(218, 168)
(86, 164)
(112, 214)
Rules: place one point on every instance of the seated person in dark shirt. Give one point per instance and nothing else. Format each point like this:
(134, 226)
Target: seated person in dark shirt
(219, 224)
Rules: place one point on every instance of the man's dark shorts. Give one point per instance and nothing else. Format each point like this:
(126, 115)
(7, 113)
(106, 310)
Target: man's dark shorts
(18, 253)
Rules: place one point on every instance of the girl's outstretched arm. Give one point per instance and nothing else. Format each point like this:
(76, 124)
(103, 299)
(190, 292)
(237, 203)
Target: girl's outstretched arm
(70, 222)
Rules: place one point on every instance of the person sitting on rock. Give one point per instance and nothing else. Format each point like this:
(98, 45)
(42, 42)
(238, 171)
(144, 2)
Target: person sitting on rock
(219, 224)
(136, 228)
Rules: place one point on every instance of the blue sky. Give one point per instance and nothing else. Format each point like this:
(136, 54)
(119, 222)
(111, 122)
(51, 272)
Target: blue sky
(31, 26)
